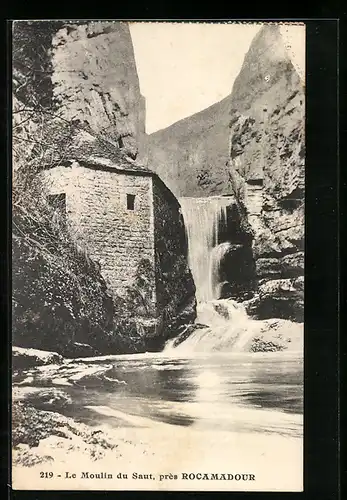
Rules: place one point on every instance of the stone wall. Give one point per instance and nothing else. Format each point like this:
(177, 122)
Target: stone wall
(176, 301)
(98, 218)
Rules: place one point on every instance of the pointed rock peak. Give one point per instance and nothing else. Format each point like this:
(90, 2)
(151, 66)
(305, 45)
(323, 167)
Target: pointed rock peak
(268, 42)
(267, 71)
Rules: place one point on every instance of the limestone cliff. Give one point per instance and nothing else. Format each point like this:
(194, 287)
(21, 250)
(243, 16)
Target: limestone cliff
(267, 171)
(85, 72)
(190, 155)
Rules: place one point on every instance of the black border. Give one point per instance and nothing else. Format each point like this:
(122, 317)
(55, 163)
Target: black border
(321, 279)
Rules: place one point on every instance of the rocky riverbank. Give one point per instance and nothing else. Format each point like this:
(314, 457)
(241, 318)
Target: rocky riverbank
(61, 439)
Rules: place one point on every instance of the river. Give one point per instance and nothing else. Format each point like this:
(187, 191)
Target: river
(216, 412)
(207, 404)
(237, 392)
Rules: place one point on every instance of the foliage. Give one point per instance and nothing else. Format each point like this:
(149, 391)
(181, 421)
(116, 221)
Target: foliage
(60, 299)
(59, 296)
(31, 41)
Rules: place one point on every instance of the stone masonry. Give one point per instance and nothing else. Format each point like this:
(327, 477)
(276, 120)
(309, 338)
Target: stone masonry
(124, 215)
(99, 221)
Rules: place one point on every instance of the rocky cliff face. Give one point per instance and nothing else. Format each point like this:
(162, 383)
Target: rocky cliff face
(86, 72)
(190, 155)
(95, 81)
(267, 171)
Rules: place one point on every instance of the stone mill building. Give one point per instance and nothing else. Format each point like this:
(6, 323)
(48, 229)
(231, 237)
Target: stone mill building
(128, 221)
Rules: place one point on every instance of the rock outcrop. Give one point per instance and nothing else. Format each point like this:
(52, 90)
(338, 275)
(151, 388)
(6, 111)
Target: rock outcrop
(267, 171)
(28, 358)
(83, 71)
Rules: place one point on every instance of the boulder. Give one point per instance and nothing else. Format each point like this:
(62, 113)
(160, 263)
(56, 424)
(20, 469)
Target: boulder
(24, 358)
(291, 265)
(280, 298)
(278, 335)
(48, 398)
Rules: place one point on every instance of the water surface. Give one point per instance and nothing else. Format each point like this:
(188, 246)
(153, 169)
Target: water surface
(242, 392)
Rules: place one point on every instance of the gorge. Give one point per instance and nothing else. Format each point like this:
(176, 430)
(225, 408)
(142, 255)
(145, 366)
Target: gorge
(250, 146)
(157, 279)
(236, 168)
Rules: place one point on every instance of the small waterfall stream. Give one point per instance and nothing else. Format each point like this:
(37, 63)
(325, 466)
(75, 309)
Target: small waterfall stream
(228, 327)
(230, 330)
(202, 218)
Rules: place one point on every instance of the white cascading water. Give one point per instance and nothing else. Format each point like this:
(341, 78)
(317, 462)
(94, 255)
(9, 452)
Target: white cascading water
(231, 330)
(216, 256)
(202, 218)
(228, 327)
(226, 319)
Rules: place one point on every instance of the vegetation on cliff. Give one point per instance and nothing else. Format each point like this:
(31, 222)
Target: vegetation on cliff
(60, 299)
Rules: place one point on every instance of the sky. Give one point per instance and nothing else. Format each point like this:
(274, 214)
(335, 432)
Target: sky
(185, 67)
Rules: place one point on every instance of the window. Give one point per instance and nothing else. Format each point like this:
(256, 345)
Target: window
(255, 182)
(130, 201)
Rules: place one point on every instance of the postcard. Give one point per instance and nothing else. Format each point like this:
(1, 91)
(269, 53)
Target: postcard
(158, 255)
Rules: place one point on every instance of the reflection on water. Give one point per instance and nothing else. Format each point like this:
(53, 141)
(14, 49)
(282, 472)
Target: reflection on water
(241, 393)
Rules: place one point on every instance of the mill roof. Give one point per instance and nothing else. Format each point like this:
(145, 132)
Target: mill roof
(95, 152)
(90, 150)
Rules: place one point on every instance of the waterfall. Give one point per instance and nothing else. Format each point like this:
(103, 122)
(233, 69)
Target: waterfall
(230, 330)
(216, 257)
(222, 325)
(203, 217)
